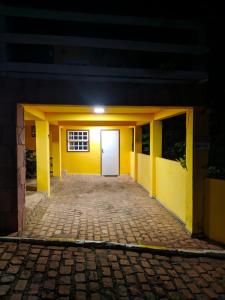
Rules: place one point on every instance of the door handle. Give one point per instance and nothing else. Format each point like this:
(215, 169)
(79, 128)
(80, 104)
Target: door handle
(102, 151)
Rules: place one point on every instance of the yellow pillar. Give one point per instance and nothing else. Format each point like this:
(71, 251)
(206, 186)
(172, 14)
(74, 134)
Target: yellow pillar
(189, 164)
(137, 147)
(56, 151)
(196, 161)
(155, 151)
(42, 155)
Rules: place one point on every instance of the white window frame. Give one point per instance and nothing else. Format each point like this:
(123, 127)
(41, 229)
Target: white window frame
(77, 140)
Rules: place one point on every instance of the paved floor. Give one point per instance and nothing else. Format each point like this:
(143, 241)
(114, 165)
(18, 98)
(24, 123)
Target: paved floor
(111, 209)
(41, 272)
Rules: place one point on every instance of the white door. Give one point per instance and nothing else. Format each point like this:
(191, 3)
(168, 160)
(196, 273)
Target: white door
(110, 152)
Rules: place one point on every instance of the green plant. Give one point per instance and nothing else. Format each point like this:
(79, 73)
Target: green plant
(182, 161)
(177, 152)
(30, 163)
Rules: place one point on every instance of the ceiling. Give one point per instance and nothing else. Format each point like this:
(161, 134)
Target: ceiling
(90, 109)
(75, 115)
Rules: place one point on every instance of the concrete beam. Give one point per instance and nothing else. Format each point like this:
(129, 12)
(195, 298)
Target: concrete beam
(96, 123)
(78, 41)
(91, 79)
(32, 113)
(103, 71)
(99, 117)
(168, 113)
(97, 18)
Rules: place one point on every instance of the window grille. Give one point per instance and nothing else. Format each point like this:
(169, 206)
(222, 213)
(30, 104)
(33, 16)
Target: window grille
(77, 140)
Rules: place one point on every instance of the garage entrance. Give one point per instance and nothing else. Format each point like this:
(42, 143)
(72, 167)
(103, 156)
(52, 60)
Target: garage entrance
(74, 145)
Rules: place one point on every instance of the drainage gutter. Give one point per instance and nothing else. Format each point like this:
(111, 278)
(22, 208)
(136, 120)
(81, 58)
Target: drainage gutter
(160, 250)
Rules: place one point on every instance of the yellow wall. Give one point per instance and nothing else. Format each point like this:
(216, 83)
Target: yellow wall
(170, 186)
(144, 171)
(90, 162)
(56, 151)
(132, 164)
(30, 141)
(214, 221)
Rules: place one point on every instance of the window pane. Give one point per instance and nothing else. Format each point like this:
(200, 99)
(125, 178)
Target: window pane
(77, 140)
(146, 139)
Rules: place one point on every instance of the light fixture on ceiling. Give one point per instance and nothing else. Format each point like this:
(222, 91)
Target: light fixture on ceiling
(99, 110)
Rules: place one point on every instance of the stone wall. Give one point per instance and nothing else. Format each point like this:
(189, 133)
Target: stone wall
(21, 167)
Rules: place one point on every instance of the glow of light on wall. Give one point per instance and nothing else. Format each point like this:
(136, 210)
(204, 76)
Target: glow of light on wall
(95, 135)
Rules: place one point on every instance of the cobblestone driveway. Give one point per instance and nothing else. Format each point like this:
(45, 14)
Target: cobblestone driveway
(41, 272)
(112, 209)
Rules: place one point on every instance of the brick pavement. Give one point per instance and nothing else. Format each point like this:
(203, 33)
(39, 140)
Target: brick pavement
(109, 209)
(45, 272)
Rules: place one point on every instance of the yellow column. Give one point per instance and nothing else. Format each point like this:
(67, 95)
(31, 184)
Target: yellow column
(196, 161)
(189, 164)
(56, 151)
(42, 155)
(137, 147)
(155, 151)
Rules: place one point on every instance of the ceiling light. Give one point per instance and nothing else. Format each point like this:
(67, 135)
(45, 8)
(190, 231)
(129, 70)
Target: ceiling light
(99, 110)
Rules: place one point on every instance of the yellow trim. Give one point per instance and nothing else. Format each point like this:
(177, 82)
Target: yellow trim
(168, 113)
(98, 117)
(153, 247)
(33, 112)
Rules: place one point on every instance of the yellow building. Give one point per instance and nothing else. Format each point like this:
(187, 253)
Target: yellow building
(195, 200)
(182, 191)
